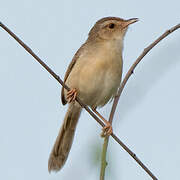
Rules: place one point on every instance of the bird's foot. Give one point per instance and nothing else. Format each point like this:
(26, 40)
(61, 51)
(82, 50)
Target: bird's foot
(107, 129)
(71, 95)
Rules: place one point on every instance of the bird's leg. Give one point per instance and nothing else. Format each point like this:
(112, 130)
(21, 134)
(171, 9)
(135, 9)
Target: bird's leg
(71, 95)
(107, 129)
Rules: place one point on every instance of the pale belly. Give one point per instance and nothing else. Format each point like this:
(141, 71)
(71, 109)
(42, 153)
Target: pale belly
(96, 82)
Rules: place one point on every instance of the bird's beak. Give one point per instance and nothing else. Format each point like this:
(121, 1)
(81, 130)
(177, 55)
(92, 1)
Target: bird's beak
(130, 21)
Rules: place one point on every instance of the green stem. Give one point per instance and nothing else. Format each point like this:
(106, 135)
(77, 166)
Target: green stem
(103, 158)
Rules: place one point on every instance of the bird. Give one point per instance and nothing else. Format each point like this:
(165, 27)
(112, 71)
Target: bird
(94, 75)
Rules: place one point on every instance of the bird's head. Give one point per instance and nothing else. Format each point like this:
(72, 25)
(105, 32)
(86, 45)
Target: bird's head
(110, 28)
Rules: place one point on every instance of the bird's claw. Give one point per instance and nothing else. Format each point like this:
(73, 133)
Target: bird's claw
(71, 95)
(107, 130)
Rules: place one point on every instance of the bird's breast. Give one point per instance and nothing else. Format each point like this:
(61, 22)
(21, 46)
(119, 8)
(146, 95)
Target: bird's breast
(99, 79)
(96, 76)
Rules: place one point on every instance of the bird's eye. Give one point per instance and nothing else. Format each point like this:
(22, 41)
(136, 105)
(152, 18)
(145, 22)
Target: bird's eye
(111, 26)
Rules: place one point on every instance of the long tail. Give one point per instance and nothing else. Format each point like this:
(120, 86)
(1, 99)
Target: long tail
(64, 139)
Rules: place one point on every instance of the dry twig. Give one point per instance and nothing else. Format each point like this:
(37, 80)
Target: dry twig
(116, 99)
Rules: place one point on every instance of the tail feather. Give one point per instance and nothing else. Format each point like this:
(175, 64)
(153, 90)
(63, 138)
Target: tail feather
(64, 139)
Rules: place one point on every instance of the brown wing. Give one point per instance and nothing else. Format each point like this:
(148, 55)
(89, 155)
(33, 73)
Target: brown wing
(71, 65)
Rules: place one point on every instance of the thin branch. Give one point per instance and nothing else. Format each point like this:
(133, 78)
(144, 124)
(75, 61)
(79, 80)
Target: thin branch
(116, 99)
